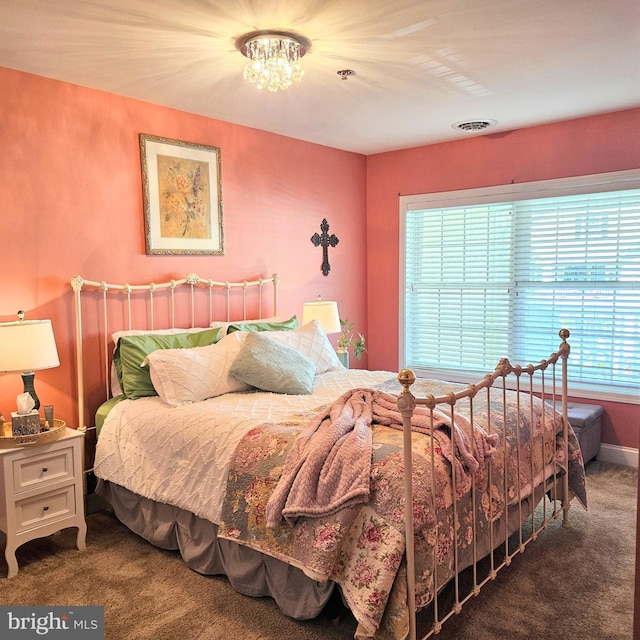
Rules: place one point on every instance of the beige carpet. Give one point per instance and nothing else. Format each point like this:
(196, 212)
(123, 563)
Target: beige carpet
(569, 584)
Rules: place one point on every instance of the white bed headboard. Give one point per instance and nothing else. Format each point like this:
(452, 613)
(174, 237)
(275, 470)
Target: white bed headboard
(186, 302)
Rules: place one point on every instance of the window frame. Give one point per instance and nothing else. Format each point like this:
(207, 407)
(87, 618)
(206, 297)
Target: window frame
(558, 187)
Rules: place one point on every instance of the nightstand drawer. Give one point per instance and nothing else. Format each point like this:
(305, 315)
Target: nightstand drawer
(41, 470)
(45, 508)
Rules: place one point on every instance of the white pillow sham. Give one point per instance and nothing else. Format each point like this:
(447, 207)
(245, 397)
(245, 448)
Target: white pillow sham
(180, 376)
(311, 341)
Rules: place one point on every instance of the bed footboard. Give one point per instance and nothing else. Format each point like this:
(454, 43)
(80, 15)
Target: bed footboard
(513, 522)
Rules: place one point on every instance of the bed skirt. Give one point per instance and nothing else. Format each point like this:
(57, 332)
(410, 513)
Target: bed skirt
(249, 572)
(255, 574)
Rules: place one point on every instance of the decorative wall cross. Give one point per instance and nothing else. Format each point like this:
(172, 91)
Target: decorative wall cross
(326, 241)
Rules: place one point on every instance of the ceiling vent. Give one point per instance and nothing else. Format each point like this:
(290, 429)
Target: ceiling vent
(474, 125)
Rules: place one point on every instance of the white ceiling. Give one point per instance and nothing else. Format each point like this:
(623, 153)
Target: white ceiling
(420, 65)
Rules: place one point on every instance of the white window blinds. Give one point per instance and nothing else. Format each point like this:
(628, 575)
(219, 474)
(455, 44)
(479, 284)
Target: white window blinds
(486, 280)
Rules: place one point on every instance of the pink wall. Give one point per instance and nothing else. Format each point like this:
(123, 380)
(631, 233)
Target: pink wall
(72, 204)
(610, 142)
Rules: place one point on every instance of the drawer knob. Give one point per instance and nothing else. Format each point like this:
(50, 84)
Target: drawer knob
(45, 469)
(46, 508)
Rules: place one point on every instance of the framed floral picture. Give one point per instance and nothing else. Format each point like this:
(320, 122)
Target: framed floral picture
(182, 192)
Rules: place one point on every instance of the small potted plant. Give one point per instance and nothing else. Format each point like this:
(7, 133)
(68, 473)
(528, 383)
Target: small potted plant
(349, 338)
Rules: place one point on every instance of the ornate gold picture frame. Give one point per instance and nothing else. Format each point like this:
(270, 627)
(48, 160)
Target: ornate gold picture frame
(182, 192)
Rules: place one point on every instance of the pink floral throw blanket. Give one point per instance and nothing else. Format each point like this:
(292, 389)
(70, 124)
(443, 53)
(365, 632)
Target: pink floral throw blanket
(329, 466)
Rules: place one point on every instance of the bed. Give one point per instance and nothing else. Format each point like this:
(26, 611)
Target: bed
(246, 446)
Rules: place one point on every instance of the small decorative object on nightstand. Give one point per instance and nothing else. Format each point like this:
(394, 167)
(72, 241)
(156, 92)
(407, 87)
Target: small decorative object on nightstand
(42, 489)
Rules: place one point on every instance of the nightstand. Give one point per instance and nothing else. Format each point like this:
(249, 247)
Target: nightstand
(42, 492)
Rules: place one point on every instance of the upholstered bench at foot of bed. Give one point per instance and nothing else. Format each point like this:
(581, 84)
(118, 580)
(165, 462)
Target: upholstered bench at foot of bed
(586, 420)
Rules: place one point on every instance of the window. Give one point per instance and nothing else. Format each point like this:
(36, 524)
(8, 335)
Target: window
(498, 271)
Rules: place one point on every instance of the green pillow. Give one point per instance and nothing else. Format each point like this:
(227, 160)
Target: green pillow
(257, 325)
(271, 366)
(135, 380)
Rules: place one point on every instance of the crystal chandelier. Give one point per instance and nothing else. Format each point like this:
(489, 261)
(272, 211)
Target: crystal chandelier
(273, 58)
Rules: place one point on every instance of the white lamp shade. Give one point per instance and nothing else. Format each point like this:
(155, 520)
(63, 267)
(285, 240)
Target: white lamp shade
(27, 345)
(325, 312)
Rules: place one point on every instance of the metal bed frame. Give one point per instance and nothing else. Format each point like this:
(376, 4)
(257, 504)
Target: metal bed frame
(165, 307)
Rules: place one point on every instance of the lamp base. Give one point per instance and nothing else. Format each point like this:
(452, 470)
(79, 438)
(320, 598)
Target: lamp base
(28, 380)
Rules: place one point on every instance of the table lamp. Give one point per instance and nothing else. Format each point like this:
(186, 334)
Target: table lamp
(27, 346)
(325, 312)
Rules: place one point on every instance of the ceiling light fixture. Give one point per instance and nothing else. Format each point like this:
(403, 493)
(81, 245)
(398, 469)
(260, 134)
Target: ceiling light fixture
(273, 58)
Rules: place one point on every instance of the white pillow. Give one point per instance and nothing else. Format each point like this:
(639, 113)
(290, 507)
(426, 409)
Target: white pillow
(311, 341)
(116, 389)
(197, 373)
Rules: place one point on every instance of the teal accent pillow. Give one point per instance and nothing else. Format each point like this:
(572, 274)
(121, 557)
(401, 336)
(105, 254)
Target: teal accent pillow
(257, 325)
(135, 380)
(271, 366)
